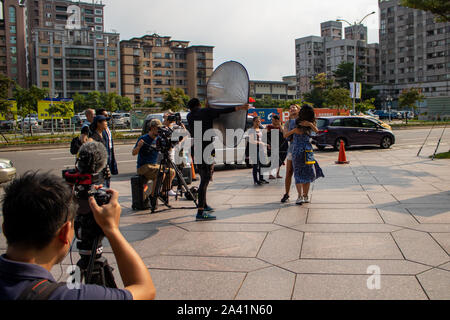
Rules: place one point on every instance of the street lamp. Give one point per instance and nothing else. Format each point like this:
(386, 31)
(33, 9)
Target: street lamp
(389, 105)
(355, 56)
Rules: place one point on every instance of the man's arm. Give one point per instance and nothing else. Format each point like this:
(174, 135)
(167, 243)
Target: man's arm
(137, 147)
(217, 112)
(135, 275)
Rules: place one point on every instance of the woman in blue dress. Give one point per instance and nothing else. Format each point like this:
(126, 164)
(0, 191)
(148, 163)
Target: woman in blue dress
(306, 169)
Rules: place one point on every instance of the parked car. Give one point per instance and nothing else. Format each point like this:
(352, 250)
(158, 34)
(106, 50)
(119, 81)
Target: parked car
(29, 122)
(118, 120)
(381, 123)
(7, 170)
(372, 114)
(7, 124)
(383, 114)
(126, 119)
(353, 131)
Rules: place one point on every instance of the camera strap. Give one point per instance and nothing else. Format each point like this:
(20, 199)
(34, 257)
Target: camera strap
(40, 289)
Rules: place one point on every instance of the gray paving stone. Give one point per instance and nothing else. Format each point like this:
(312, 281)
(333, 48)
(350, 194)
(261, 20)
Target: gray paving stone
(443, 239)
(346, 198)
(196, 285)
(291, 215)
(349, 246)
(267, 284)
(431, 215)
(226, 264)
(445, 266)
(281, 246)
(346, 228)
(436, 284)
(226, 244)
(397, 216)
(221, 226)
(343, 216)
(420, 247)
(354, 287)
(356, 267)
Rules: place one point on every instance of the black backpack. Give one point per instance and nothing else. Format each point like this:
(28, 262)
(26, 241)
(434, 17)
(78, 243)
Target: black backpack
(75, 145)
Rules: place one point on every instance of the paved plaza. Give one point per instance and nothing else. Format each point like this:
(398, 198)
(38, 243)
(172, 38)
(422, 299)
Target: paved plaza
(386, 212)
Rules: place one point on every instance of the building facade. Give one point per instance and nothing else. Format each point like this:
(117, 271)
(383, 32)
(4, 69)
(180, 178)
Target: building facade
(14, 45)
(324, 54)
(276, 90)
(414, 52)
(71, 52)
(153, 64)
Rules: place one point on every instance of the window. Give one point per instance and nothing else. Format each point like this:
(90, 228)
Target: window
(13, 50)
(44, 49)
(13, 39)
(101, 74)
(56, 50)
(14, 70)
(88, 11)
(98, 20)
(112, 74)
(351, 122)
(45, 72)
(45, 84)
(98, 12)
(101, 52)
(337, 123)
(44, 61)
(13, 60)
(112, 63)
(89, 19)
(12, 14)
(365, 123)
(112, 53)
(101, 64)
(113, 85)
(12, 29)
(98, 28)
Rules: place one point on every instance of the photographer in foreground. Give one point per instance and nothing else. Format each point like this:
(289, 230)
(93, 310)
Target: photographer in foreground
(39, 211)
(147, 161)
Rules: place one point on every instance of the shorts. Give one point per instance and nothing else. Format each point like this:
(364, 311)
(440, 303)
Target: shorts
(149, 171)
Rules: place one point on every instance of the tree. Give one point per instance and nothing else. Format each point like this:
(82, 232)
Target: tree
(5, 105)
(174, 99)
(344, 74)
(365, 105)
(123, 103)
(62, 109)
(27, 100)
(317, 96)
(409, 97)
(79, 102)
(441, 8)
(338, 98)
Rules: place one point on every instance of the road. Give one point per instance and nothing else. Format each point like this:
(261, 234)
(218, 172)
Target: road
(54, 160)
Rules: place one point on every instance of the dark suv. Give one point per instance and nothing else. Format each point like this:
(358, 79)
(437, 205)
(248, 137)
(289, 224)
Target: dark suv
(354, 131)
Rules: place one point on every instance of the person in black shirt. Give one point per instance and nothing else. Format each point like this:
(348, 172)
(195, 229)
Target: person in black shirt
(206, 117)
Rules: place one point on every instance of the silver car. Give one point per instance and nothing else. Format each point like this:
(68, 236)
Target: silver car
(7, 170)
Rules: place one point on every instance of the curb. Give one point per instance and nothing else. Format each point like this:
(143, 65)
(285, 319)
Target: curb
(27, 147)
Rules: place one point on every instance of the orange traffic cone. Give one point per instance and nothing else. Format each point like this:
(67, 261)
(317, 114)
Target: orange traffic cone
(194, 178)
(342, 158)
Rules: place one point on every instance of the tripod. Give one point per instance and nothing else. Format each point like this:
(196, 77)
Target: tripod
(94, 268)
(162, 188)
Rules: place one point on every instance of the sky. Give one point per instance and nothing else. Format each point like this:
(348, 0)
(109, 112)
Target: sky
(260, 34)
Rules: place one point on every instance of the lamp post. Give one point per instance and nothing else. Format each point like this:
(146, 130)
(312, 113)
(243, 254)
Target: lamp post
(389, 103)
(355, 54)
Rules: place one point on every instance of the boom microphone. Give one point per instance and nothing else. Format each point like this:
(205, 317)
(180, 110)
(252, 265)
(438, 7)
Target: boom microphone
(91, 158)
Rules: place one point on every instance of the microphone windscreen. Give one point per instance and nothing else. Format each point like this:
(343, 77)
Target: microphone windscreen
(92, 157)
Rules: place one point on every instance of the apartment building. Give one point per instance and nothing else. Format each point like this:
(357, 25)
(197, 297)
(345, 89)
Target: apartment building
(414, 52)
(14, 61)
(71, 52)
(276, 90)
(153, 63)
(324, 54)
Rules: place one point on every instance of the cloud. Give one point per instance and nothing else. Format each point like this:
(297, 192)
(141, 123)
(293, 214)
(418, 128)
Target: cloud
(258, 33)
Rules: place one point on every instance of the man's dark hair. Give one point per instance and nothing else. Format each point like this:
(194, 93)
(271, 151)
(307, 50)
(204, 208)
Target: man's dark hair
(193, 103)
(99, 112)
(35, 207)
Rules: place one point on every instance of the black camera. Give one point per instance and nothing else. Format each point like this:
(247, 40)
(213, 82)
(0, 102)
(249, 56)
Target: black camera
(175, 118)
(86, 229)
(164, 141)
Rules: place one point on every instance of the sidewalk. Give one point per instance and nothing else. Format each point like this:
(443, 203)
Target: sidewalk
(387, 211)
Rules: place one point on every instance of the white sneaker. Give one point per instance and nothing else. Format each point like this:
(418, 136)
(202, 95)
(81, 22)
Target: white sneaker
(305, 199)
(172, 193)
(299, 201)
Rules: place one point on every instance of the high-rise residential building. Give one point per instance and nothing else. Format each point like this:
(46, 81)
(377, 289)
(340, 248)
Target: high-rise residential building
(276, 90)
(71, 52)
(14, 61)
(152, 64)
(324, 54)
(414, 52)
